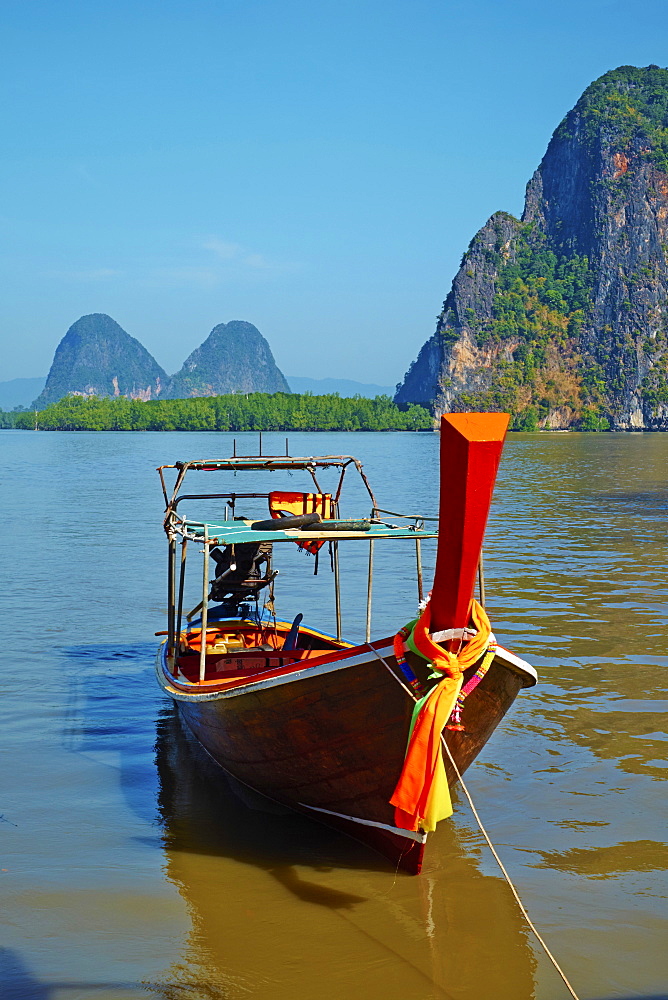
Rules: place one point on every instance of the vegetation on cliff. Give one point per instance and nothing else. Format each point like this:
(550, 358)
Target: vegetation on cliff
(235, 357)
(562, 317)
(539, 306)
(630, 103)
(237, 412)
(97, 357)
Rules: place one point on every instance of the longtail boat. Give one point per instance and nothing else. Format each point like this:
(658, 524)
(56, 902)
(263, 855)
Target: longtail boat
(367, 737)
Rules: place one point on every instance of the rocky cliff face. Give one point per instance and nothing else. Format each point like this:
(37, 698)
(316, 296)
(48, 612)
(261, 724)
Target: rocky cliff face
(562, 317)
(452, 362)
(96, 357)
(235, 357)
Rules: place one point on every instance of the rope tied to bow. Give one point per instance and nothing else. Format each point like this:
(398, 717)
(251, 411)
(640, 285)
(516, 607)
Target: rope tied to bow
(421, 797)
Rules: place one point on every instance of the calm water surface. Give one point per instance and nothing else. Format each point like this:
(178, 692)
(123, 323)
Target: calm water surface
(130, 871)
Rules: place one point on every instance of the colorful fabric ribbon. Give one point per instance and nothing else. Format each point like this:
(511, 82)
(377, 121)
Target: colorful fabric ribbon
(422, 797)
(400, 656)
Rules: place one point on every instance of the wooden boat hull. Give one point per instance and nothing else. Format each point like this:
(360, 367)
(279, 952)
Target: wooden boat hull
(328, 738)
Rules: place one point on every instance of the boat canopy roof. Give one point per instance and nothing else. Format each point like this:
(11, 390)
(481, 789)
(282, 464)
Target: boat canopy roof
(241, 531)
(238, 531)
(266, 462)
(261, 463)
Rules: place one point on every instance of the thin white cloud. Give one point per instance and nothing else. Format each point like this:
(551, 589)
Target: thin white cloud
(207, 263)
(257, 261)
(223, 249)
(93, 274)
(242, 258)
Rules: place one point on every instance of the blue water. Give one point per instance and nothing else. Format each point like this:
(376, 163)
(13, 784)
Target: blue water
(129, 870)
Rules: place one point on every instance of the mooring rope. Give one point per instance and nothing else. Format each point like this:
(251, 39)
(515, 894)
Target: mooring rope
(411, 694)
(498, 860)
(505, 874)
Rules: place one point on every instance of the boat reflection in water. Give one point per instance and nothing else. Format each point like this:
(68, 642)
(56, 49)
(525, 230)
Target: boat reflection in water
(282, 906)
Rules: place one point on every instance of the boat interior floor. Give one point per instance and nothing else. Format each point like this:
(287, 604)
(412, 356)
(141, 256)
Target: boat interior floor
(235, 649)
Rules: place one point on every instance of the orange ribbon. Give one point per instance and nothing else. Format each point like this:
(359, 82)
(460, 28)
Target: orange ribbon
(421, 797)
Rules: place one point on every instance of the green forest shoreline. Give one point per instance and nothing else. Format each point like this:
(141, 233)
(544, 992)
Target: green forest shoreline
(238, 412)
(259, 411)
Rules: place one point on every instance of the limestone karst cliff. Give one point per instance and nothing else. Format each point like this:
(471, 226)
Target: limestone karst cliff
(235, 357)
(562, 317)
(96, 357)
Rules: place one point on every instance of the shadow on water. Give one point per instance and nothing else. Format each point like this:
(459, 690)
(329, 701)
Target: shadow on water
(644, 503)
(207, 812)
(112, 707)
(17, 982)
(112, 704)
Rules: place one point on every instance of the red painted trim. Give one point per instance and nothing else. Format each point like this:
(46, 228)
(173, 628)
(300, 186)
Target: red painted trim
(263, 675)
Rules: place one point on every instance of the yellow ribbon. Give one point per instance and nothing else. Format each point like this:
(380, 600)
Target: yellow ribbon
(422, 797)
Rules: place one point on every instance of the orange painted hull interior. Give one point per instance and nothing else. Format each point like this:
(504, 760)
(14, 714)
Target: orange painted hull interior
(241, 649)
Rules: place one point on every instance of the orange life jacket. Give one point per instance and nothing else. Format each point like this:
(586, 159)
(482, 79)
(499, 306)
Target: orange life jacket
(302, 503)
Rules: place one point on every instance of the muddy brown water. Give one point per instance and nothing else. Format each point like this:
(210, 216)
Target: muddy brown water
(130, 868)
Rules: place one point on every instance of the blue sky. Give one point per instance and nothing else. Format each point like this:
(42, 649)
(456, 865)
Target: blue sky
(317, 169)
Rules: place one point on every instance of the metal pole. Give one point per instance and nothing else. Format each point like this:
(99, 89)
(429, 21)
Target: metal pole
(205, 605)
(481, 580)
(337, 590)
(418, 559)
(171, 566)
(179, 613)
(369, 589)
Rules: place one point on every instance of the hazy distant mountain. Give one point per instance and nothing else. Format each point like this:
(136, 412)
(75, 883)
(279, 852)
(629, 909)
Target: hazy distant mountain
(344, 386)
(20, 392)
(96, 357)
(235, 357)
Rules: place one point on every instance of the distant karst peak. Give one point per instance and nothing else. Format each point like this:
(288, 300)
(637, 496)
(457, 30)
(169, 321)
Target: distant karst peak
(96, 357)
(235, 357)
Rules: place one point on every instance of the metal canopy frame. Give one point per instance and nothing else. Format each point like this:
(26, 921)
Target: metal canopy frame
(267, 463)
(198, 531)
